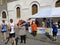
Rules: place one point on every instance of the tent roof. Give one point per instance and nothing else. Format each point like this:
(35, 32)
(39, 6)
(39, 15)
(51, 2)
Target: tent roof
(47, 12)
(56, 12)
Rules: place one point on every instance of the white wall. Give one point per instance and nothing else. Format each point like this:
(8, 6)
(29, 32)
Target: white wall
(26, 9)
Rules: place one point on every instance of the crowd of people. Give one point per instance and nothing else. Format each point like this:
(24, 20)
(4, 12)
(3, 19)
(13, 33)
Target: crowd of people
(50, 24)
(11, 28)
(22, 26)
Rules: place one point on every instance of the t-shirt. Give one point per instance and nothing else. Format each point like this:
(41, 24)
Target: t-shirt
(55, 29)
(34, 27)
(12, 28)
(43, 24)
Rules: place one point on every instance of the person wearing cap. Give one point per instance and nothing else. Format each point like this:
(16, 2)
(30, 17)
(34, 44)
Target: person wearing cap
(34, 28)
(22, 32)
(20, 22)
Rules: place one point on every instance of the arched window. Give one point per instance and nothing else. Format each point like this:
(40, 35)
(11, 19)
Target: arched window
(3, 14)
(34, 9)
(18, 12)
(57, 3)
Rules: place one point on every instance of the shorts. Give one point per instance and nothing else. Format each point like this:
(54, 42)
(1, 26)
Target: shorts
(54, 34)
(12, 35)
(3, 31)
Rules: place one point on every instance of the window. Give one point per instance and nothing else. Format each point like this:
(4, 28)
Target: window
(57, 3)
(3, 14)
(18, 12)
(34, 9)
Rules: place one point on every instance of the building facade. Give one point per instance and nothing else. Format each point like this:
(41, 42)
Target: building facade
(17, 9)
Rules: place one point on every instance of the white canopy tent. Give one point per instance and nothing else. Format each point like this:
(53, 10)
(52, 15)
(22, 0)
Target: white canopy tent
(55, 12)
(47, 12)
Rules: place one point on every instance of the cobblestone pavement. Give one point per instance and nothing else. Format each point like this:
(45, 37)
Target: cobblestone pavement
(38, 40)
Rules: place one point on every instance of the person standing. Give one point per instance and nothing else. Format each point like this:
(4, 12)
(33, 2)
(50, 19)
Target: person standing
(12, 26)
(22, 32)
(55, 31)
(34, 28)
(4, 30)
(43, 24)
(48, 23)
